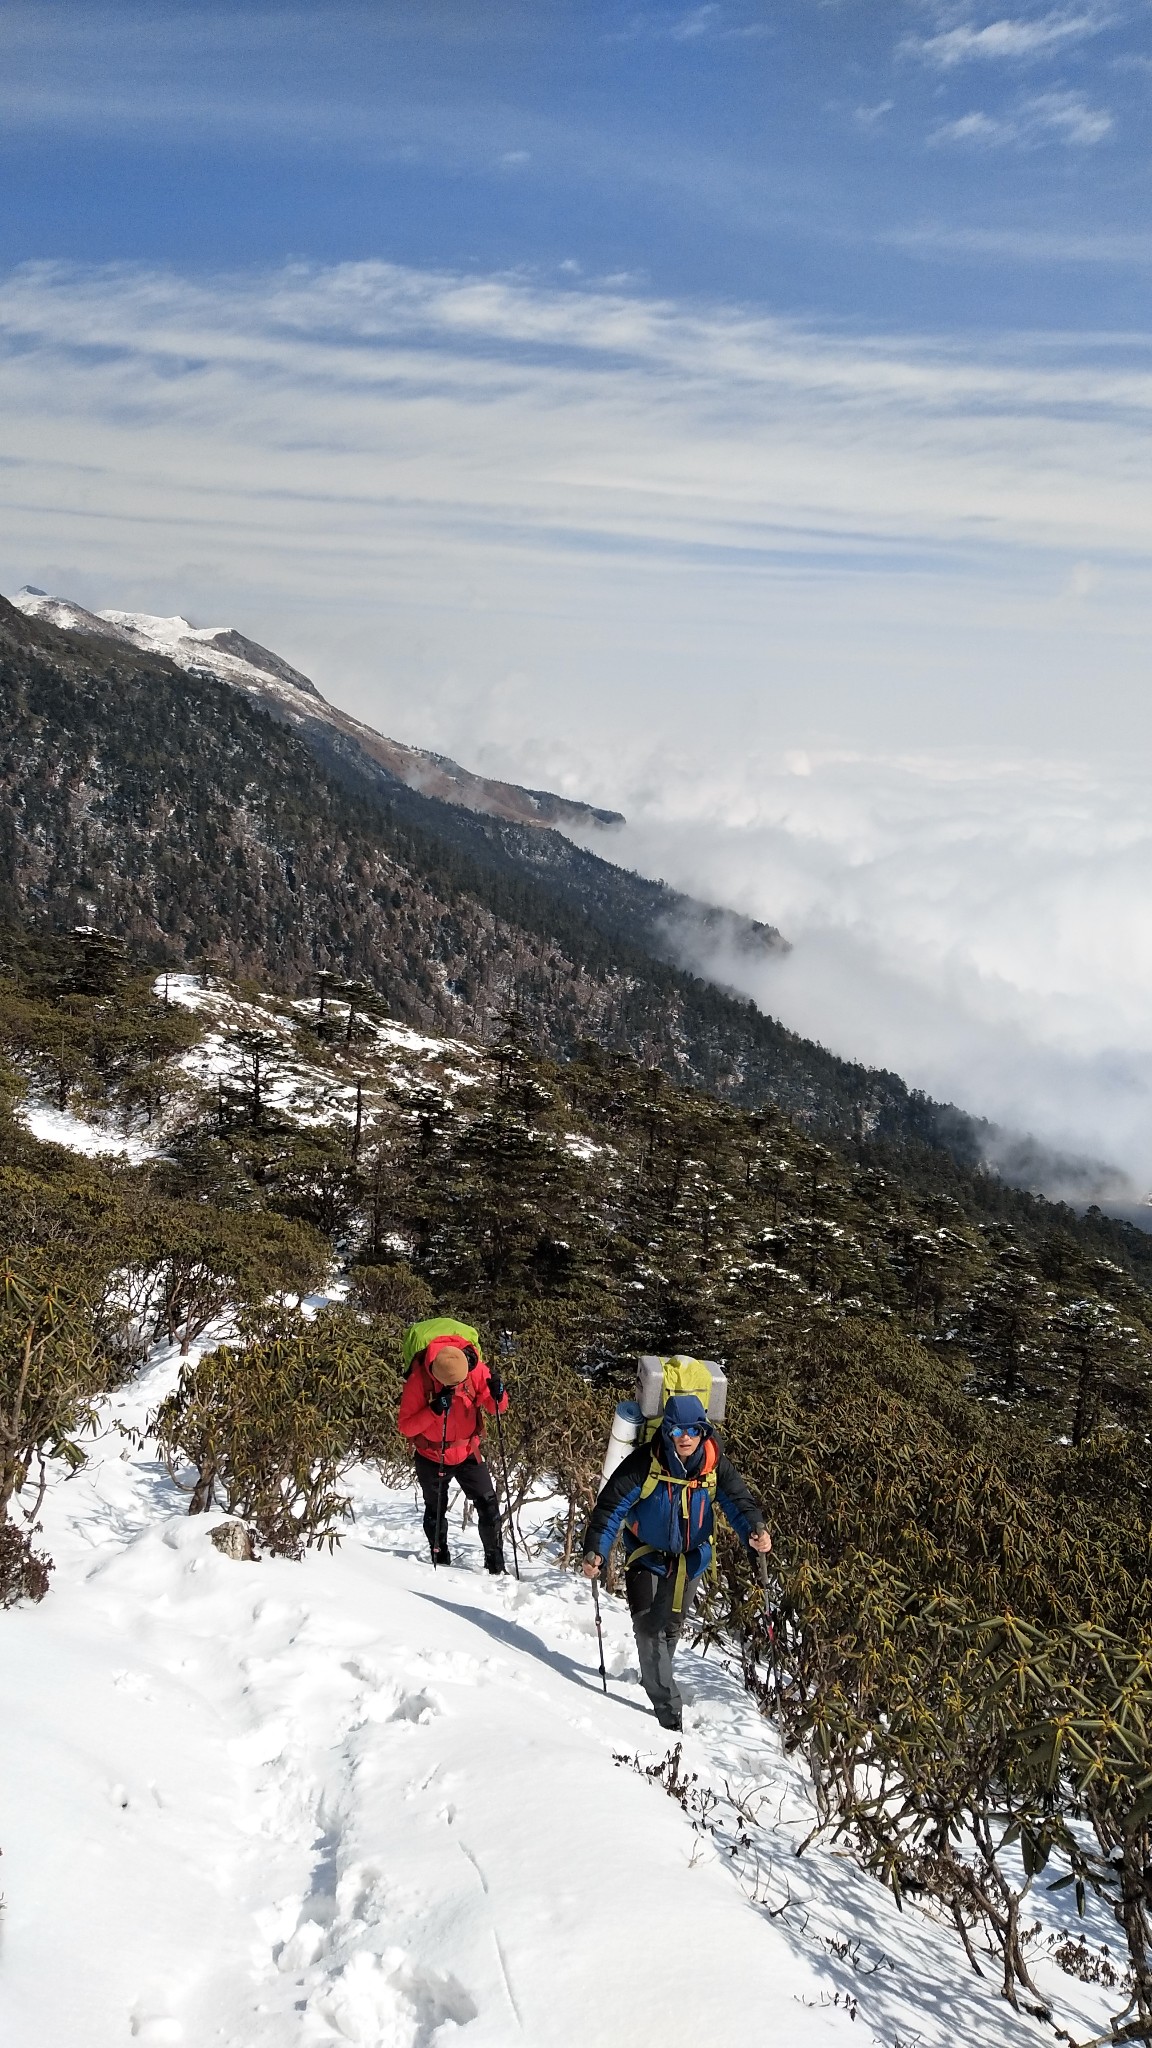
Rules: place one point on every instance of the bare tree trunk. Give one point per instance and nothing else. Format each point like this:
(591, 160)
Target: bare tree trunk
(569, 1536)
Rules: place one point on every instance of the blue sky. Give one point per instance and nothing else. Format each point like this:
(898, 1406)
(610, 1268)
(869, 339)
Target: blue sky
(739, 414)
(958, 166)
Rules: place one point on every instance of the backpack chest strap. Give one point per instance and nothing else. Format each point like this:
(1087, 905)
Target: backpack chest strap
(706, 1477)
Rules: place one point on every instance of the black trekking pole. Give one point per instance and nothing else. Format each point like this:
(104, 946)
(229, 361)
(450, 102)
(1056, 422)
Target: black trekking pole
(441, 1502)
(507, 1350)
(507, 1490)
(599, 1633)
(770, 1616)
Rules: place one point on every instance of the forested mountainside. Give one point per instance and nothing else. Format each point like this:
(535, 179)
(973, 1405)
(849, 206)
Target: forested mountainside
(498, 825)
(174, 813)
(621, 905)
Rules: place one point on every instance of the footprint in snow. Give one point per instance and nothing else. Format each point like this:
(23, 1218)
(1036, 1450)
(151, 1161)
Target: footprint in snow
(152, 2026)
(302, 1948)
(419, 1707)
(364, 1894)
(379, 1999)
(131, 1682)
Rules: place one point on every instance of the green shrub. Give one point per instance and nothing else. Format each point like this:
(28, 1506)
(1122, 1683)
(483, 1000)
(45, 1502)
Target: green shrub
(53, 1373)
(271, 1428)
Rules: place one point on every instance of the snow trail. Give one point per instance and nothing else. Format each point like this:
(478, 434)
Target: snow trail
(356, 1800)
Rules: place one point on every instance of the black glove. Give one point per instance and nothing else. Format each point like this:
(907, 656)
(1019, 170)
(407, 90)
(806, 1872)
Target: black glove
(496, 1386)
(441, 1402)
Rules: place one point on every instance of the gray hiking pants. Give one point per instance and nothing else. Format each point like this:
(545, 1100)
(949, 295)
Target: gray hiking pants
(657, 1631)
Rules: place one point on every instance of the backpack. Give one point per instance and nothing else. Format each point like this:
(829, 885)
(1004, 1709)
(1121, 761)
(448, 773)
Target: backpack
(420, 1335)
(638, 1421)
(659, 1379)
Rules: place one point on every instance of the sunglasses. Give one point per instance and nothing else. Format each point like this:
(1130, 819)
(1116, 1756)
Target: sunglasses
(694, 1429)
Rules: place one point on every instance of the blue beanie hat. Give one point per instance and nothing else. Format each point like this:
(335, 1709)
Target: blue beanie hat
(685, 1411)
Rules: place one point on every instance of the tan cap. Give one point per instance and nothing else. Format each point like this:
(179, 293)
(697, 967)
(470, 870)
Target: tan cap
(449, 1366)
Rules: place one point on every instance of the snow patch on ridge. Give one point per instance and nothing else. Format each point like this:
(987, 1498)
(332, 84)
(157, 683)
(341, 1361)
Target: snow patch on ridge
(77, 1134)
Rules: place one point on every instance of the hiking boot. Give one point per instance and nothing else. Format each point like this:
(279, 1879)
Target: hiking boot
(495, 1565)
(673, 1721)
(442, 1556)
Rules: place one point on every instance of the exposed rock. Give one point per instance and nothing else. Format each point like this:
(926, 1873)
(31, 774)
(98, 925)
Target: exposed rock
(234, 1540)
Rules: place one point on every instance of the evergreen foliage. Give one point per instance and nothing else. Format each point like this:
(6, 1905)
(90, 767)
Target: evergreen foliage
(53, 1372)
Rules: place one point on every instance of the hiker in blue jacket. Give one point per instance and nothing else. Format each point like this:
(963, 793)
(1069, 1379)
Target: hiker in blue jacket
(662, 1497)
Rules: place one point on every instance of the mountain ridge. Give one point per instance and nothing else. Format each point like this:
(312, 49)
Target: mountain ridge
(490, 823)
(293, 697)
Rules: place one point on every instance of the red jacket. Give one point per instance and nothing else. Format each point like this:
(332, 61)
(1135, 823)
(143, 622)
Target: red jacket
(471, 1401)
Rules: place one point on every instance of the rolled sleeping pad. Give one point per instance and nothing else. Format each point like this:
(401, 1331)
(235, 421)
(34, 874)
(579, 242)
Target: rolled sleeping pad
(623, 1437)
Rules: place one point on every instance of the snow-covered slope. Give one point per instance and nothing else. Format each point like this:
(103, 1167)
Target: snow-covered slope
(356, 1800)
(81, 1134)
(222, 651)
(391, 1058)
(301, 1083)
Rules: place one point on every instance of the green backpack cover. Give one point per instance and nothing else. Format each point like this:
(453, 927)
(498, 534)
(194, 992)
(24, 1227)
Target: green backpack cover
(681, 1376)
(420, 1335)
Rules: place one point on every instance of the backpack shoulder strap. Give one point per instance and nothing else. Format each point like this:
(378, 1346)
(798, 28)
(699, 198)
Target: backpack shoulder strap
(706, 1477)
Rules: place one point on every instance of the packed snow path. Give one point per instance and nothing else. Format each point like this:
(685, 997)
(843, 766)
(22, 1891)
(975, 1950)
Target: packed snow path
(355, 1800)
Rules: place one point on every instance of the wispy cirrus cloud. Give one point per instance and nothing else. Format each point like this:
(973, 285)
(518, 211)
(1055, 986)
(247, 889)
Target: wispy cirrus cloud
(1064, 118)
(580, 417)
(710, 22)
(702, 21)
(1010, 39)
(637, 490)
(869, 118)
(944, 240)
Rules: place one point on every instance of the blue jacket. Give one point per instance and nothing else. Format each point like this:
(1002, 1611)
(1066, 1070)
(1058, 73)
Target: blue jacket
(671, 1519)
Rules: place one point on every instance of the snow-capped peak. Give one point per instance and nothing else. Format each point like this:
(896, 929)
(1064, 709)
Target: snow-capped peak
(158, 632)
(220, 650)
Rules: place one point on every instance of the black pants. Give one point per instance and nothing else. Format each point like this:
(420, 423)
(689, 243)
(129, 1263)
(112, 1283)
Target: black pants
(657, 1631)
(474, 1479)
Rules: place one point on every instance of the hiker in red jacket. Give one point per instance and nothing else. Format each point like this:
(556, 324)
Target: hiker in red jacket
(446, 1397)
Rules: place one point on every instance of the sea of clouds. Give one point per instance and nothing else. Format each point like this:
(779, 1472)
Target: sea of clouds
(978, 925)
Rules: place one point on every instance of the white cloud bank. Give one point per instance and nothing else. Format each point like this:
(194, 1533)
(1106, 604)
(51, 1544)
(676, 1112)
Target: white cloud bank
(981, 926)
(645, 551)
